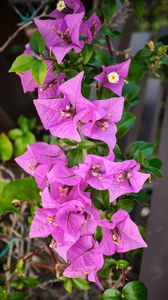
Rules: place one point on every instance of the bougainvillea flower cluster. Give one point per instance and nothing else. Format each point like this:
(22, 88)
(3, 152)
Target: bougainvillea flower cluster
(67, 212)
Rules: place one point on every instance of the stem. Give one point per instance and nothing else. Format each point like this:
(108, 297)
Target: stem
(109, 46)
(123, 272)
(123, 277)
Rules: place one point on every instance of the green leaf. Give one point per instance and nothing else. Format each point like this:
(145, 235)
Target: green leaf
(164, 60)
(6, 148)
(22, 63)
(6, 206)
(14, 134)
(111, 294)
(122, 264)
(39, 71)
(23, 124)
(98, 234)
(68, 285)
(80, 283)
(139, 7)
(28, 138)
(86, 144)
(17, 295)
(37, 43)
(100, 150)
(100, 199)
(108, 8)
(19, 147)
(125, 124)
(106, 31)
(20, 267)
(153, 171)
(3, 293)
(70, 142)
(125, 203)
(21, 189)
(135, 290)
(87, 53)
(139, 64)
(155, 162)
(30, 281)
(130, 90)
(75, 156)
(146, 148)
(141, 197)
(138, 156)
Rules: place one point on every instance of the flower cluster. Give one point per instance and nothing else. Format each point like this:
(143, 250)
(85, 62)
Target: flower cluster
(67, 213)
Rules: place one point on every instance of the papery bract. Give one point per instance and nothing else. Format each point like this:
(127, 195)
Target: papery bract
(104, 128)
(112, 77)
(39, 159)
(126, 178)
(85, 260)
(62, 116)
(61, 36)
(94, 172)
(90, 28)
(66, 7)
(49, 89)
(121, 235)
(44, 224)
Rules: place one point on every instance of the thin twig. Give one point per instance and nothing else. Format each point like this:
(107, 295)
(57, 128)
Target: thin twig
(22, 26)
(44, 284)
(109, 46)
(119, 281)
(14, 35)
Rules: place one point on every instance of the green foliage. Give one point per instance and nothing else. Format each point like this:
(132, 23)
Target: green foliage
(75, 156)
(39, 71)
(111, 294)
(127, 122)
(80, 283)
(108, 8)
(20, 137)
(100, 199)
(139, 7)
(21, 189)
(135, 290)
(147, 149)
(37, 43)
(125, 203)
(6, 148)
(87, 53)
(22, 63)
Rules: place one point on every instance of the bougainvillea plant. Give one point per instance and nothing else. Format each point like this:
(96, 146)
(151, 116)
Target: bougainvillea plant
(84, 94)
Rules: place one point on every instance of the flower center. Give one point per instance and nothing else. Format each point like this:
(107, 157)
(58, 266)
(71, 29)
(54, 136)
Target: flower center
(103, 124)
(124, 176)
(51, 220)
(61, 5)
(68, 112)
(116, 237)
(63, 190)
(96, 171)
(113, 77)
(32, 166)
(65, 36)
(93, 28)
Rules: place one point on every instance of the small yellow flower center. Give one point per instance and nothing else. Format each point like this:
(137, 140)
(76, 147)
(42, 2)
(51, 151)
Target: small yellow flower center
(113, 77)
(51, 220)
(116, 237)
(61, 5)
